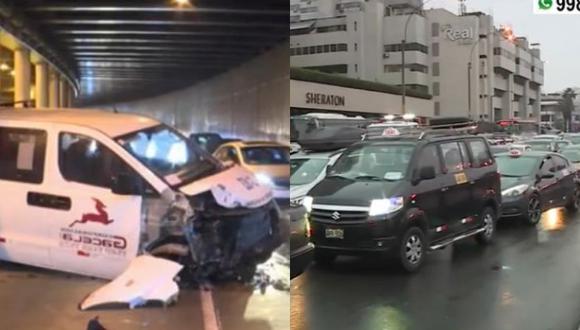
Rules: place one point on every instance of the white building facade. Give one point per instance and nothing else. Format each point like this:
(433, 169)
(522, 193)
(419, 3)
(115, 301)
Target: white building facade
(363, 40)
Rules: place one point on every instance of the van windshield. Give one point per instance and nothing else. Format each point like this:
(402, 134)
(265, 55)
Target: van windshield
(374, 162)
(169, 154)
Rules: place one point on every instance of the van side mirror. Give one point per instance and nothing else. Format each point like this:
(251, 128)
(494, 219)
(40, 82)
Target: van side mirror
(126, 184)
(426, 173)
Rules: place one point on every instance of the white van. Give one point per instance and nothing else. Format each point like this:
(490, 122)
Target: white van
(87, 191)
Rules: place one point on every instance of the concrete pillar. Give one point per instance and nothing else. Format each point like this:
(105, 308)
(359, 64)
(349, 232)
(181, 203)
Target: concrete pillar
(507, 111)
(525, 100)
(41, 84)
(53, 85)
(62, 89)
(71, 96)
(21, 75)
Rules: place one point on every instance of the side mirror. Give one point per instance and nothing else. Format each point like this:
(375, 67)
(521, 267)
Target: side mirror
(126, 184)
(426, 173)
(328, 168)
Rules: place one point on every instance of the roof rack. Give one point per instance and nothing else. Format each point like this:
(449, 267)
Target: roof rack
(433, 131)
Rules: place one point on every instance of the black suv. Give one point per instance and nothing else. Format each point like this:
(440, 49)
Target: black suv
(405, 195)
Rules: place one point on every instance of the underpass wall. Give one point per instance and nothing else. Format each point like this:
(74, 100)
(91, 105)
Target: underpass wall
(251, 101)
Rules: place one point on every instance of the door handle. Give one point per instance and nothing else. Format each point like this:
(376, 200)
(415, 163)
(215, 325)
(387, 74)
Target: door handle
(444, 189)
(48, 201)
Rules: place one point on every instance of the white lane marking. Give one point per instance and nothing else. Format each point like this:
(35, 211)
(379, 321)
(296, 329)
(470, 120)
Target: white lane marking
(210, 320)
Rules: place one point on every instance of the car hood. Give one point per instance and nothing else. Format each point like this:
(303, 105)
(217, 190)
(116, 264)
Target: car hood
(300, 191)
(231, 188)
(339, 191)
(509, 182)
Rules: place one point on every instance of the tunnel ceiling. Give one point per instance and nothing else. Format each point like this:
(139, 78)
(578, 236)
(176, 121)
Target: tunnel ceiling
(128, 49)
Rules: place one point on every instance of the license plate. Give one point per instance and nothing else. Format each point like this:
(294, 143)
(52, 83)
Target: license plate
(334, 233)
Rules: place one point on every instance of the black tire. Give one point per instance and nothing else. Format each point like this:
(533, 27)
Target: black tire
(574, 204)
(324, 258)
(489, 220)
(534, 211)
(412, 249)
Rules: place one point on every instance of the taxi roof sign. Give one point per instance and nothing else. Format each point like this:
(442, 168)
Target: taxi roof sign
(391, 131)
(515, 153)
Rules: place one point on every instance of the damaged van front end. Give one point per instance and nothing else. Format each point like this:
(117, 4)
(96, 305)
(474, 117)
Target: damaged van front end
(219, 228)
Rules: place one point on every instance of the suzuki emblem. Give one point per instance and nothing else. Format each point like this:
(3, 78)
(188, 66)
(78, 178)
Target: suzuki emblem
(336, 215)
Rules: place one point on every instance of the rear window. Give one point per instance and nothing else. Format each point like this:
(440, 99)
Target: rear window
(266, 155)
(22, 154)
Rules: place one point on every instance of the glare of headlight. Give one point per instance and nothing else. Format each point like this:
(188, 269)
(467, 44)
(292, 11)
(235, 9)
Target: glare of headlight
(264, 179)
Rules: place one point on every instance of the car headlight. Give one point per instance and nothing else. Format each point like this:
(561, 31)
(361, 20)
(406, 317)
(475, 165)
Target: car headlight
(264, 179)
(385, 206)
(307, 202)
(515, 191)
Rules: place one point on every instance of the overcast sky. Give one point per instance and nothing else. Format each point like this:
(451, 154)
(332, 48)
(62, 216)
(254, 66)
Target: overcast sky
(557, 35)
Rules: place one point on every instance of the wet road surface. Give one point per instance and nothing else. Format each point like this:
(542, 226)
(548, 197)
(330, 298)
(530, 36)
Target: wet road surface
(33, 298)
(528, 279)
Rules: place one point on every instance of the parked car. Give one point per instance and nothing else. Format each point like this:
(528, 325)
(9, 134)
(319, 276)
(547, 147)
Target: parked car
(497, 149)
(535, 181)
(269, 161)
(542, 145)
(574, 138)
(572, 153)
(89, 192)
(405, 195)
(301, 249)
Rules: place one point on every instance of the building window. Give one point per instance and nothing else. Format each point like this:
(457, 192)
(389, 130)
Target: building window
(436, 89)
(497, 51)
(434, 29)
(393, 68)
(292, 51)
(312, 50)
(355, 47)
(435, 69)
(411, 67)
(342, 47)
(319, 49)
(413, 46)
(533, 69)
(356, 68)
(517, 60)
(435, 49)
(332, 28)
(437, 109)
(355, 26)
(326, 48)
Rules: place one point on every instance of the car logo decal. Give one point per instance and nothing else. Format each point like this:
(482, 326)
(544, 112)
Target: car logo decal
(101, 216)
(336, 215)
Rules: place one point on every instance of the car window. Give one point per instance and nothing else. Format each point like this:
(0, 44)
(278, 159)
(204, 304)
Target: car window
(466, 160)
(481, 156)
(452, 160)
(548, 165)
(306, 170)
(560, 163)
(221, 154)
(232, 154)
(84, 160)
(22, 154)
(429, 157)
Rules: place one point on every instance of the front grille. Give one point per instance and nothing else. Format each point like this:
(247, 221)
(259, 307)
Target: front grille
(338, 216)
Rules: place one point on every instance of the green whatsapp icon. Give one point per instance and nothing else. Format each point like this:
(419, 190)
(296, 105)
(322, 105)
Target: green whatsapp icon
(545, 4)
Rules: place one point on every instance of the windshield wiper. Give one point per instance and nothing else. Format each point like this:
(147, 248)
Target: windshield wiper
(510, 176)
(369, 177)
(338, 176)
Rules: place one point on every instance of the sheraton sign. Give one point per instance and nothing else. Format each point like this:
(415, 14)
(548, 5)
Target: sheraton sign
(325, 99)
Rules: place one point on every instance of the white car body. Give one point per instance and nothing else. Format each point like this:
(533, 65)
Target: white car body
(81, 228)
(297, 192)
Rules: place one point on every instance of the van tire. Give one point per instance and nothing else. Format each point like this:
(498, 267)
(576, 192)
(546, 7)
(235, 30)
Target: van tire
(489, 220)
(324, 258)
(574, 204)
(412, 249)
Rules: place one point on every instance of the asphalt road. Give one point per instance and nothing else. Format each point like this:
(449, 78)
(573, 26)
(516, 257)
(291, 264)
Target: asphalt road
(528, 279)
(33, 298)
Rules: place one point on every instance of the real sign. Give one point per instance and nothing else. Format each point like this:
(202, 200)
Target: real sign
(454, 34)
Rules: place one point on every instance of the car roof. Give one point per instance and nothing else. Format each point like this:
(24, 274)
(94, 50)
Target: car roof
(320, 155)
(529, 153)
(432, 136)
(110, 123)
(242, 144)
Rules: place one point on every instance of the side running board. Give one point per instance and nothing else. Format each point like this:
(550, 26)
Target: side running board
(457, 238)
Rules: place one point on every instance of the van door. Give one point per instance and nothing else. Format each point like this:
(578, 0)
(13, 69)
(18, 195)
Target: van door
(482, 177)
(99, 233)
(565, 184)
(428, 197)
(548, 186)
(456, 190)
(23, 227)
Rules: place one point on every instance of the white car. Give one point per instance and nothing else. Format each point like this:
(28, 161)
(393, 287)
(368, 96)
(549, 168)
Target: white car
(105, 195)
(306, 170)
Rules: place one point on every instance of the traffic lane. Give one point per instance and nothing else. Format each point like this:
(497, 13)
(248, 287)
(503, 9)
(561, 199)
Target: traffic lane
(528, 279)
(35, 298)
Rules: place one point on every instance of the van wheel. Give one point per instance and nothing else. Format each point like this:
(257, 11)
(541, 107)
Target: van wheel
(534, 212)
(574, 204)
(489, 221)
(324, 258)
(412, 250)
